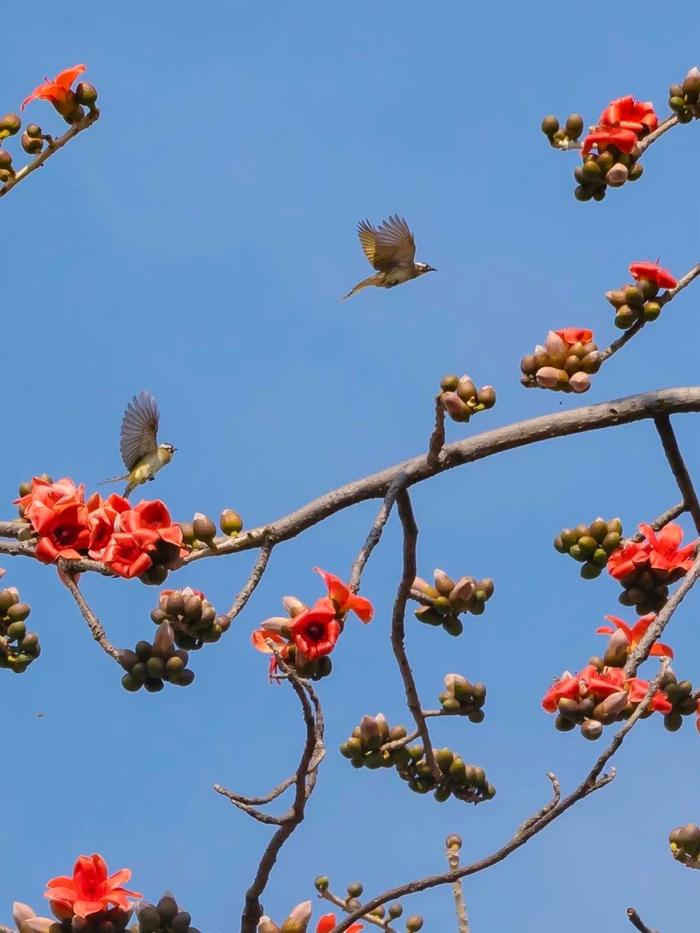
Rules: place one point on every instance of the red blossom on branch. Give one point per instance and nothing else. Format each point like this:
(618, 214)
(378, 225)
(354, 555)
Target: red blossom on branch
(572, 335)
(152, 515)
(635, 633)
(624, 140)
(316, 630)
(630, 114)
(63, 532)
(127, 553)
(653, 272)
(327, 923)
(637, 690)
(665, 551)
(629, 557)
(346, 601)
(57, 90)
(90, 889)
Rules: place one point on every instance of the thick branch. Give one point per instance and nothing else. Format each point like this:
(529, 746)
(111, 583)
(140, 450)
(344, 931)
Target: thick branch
(398, 628)
(678, 467)
(90, 117)
(594, 780)
(65, 575)
(637, 921)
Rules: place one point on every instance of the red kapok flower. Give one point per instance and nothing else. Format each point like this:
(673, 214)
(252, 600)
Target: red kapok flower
(565, 687)
(573, 335)
(57, 91)
(261, 638)
(152, 515)
(654, 273)
(127, 552)
(63, 532)
(346, 601)
(601, 684)
(628, 558)
(630, 114)
(635, 633)
(637, 690)
(327, 923)
(63, 492)
(91, 889)
(102, 515)
(601, 136)
(665, 552)
(316, 630)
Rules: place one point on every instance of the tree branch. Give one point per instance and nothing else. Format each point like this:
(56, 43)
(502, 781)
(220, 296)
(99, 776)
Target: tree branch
(678, 467)
(593, 781)
(398, 628)
(328, 895)
(452, 855)
(437, 438)
(255, 577)
(92, 116)
(67, 578)
(637, 921)
(375, 532)
(668, 516)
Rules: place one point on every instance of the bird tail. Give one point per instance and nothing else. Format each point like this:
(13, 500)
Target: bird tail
(113, 479)
(365, 283)
(129, 488)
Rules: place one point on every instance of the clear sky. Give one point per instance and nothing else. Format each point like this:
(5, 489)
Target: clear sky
(196, 243)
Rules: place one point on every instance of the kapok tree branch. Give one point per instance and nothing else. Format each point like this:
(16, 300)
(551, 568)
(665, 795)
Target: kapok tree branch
(593, 781)
(668, 516)
(67, 578)
(255, 577)
(678, 467)
(398, 628)
(452, 855)
(328, 895)
(375, 533)
(304, 781)
(92, 116)
(637, 921)
(437, 438)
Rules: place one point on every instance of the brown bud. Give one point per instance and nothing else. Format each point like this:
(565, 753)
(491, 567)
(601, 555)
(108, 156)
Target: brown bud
(443, 583)
(203, 527)
(486, 396)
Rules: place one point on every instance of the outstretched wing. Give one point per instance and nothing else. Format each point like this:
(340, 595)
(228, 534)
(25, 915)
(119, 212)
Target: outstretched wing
(388, 245)
(139, 429)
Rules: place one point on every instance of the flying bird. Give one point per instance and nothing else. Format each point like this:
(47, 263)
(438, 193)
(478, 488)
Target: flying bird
(391, 249)
(143, 456)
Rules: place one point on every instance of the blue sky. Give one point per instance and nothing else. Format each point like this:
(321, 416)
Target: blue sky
(196, 243)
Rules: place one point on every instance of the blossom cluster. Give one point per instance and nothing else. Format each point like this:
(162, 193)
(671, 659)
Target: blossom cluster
(443, 602)
(192, 617)
(641, 301)
(462, 698)
(591, 544)
(308, 634)
(684, 98)
(460, 398)
(565, 363)
(130, 540)
(18, 647)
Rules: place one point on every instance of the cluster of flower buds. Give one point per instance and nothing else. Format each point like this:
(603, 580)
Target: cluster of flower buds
(151, 665)
(645, 569)
(351, 902)
(563, 137)
(641, 301)
(443, 602)
(192, 617)
(683, 699)
(460, 398)
(565, 363)
(201, 531)
(296, 922)
(684, 99)
(461, 698)
(18, 647)
(164, 917)
(591, 545)
(685, 844)
(373, 744)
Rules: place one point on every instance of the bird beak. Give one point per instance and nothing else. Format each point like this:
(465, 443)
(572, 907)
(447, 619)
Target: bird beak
(431, 269)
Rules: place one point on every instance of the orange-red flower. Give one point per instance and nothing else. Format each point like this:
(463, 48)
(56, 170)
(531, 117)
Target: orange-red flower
(565, 687)
(588, 682)
(345, 601)
(316, 629)
(58, 90)
(654, 273)
(327, 923)
(630, 114)
(602, 136)
(152, 516)
(637, 690)
(665, 551)
(63, 532)
(63, 492)
(635, 633)
(629, 557)
(573, 335)
(102, 515)
(90, 889)
(127, 553)
(260, 638)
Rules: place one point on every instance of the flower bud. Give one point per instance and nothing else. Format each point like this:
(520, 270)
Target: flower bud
(617, 175)
(321, 884)
(691, 82)
(616, 650)
(574, 125)
(10, 124)
(486, 396)
(443, 583)
(555, 346)
(580, 382)
(293, 605)
(461, 594)
(164, 642)
(275, 624)
(548, 377)
(466, 389)
(300, 916)
(86, 94)
(203, 527)
(230, 522)
(550, 125)
(591, 729)
(370, 734)
(265, 925)
(31, 144)
(611, 707)
(454, 406)
(449, 383)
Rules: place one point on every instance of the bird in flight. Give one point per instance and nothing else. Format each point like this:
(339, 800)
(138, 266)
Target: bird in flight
(391, 249)
(143, 456)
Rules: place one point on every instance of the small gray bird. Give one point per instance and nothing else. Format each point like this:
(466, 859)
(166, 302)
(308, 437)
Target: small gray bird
(391, 249)
(143, 456)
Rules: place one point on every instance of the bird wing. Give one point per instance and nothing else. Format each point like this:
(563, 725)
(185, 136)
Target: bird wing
(139, 429)
(389, 244)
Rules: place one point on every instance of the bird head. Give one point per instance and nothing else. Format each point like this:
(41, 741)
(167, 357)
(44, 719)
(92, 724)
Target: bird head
(423, 267)
(167, 451)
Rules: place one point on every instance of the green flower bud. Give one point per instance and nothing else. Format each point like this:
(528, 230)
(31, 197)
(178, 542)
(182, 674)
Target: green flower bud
(625, 317)
(86, 94)
(130, 683)
(10, 124)
(321, 884)
(636, 171)
(395, 911)
(651, 310)
(673, 721)
(677, 104)
(230, 522)
(16, 631)
(355, 889)
(589, 571)
(582, 194)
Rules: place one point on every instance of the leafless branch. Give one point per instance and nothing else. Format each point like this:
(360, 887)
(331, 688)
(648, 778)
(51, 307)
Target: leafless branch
(637, 921)
(593, 781)
(668, 516)
(398, 628)
(556, 797)
(52, 148)
(437, 438)
(328, 895)
(67, 578)
(452, 855)
(678, 467)
(662, 128)
(255, 577)
(375, 532)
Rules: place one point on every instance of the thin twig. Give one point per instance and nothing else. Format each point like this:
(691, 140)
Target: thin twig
(437, 438)
(275, 792)
(255, 577)
(90, 117)
(663, 300)
(328, 895)
(662, 128)
(661, 520)
(398, 628)
(452, 855)
(556, 797)
(593, 781)
(375, 533)
(65, 575)
(637, 921)
(678, 467)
